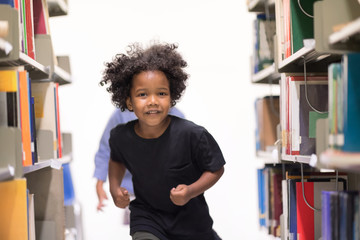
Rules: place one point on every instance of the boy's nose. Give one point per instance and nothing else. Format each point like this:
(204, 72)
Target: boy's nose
(153, 100)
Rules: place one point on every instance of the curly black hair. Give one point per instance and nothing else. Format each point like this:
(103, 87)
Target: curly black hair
(162, 57)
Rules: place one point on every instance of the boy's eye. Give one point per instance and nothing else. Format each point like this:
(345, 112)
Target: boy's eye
(142, 94)
(162, 93)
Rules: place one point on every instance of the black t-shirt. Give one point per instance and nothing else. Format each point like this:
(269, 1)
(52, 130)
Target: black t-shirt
(179, 156)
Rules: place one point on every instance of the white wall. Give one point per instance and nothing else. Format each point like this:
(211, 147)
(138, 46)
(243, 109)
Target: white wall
(215, 38)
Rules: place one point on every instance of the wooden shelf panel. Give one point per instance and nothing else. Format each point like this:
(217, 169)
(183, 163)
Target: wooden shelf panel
(259, 5)
(315, 61)
(35, 69)
(53, 163)
(346, 32)
(268, 157)
(268, 76)
(7, 173)
(340, 160)
(57, 7)
(296, 158)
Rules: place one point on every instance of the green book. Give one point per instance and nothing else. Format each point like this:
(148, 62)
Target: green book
(302, 25)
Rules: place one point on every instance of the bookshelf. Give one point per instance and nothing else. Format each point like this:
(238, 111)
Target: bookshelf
(334, 44)
(33, 150)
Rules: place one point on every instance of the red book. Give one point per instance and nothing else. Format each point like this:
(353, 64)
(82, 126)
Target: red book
(29, 28)
(58, 120)
(287, 30)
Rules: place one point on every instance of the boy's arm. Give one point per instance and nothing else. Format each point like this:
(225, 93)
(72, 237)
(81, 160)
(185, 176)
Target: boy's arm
(183, 193)
(119, 194)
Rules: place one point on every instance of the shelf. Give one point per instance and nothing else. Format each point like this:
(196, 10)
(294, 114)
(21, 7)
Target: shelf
(5, 46)
(57, 7)
(296, 158)
(61, 76)
(341, 160)
(35, 69)
(7, 173)
(259, 5)
(268, 157)
(267, 75)
(66, 159)
(56, 164)
(315, 61)
(346, 32)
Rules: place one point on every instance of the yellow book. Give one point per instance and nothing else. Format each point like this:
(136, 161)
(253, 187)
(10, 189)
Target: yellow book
(8, 81)
(13, 209)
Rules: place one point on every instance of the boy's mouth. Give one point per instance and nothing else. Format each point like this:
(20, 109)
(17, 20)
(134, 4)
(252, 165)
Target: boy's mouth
(152, 112)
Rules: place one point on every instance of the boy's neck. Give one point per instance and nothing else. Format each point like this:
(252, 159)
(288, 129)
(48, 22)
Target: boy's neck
(150, 132)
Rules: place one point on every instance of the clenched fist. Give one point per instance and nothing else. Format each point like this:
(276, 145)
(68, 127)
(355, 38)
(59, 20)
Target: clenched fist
(180, 195)
(121, 197)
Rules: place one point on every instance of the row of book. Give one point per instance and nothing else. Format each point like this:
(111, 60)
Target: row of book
(309, 207)
(33, 19)
(33, 207)
(263, 42)
(303, 100)
(344, 111)
(267, 118)
(295, 20)
(32, 107)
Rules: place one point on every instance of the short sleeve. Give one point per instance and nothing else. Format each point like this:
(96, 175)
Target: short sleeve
(114, 152)
(208, 153)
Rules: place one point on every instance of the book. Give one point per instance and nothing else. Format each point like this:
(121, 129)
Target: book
(351, 113)
(33, 131)
(347, 213)
(264, 30)
(300, 120)
(9, 87)
(279, 22)
(329, 217)
(261, 197)
(301, 23)
(287, 28)
(13, 208)
(309, 220)
(30, 39)
(334, 76)
(25, 117)
(41, 18)
(267, 113)
(316, 93)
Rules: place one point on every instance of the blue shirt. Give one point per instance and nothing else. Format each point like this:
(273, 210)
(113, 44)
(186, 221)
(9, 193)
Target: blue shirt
(102, 156)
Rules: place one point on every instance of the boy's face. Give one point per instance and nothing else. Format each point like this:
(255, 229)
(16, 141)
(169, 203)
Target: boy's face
(150, 98)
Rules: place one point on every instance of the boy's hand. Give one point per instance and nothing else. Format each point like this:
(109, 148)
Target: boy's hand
(180, 195)
(121, 197)
(101, 195)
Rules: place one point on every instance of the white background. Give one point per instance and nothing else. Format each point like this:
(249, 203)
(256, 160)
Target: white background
(215, 38)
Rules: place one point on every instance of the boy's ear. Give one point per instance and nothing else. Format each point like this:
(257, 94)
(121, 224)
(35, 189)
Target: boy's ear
(129, 105)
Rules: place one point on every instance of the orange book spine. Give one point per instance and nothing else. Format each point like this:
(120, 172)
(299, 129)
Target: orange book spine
(25, 118)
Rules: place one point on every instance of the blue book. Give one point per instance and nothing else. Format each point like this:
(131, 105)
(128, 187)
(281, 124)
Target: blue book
(292, 209)
(8, 2)
(261, 197)
(351, 104)
(347, 214)
(69, 194)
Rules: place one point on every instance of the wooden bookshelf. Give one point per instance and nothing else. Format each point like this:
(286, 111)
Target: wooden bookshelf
(336, 32)
(44, 173)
